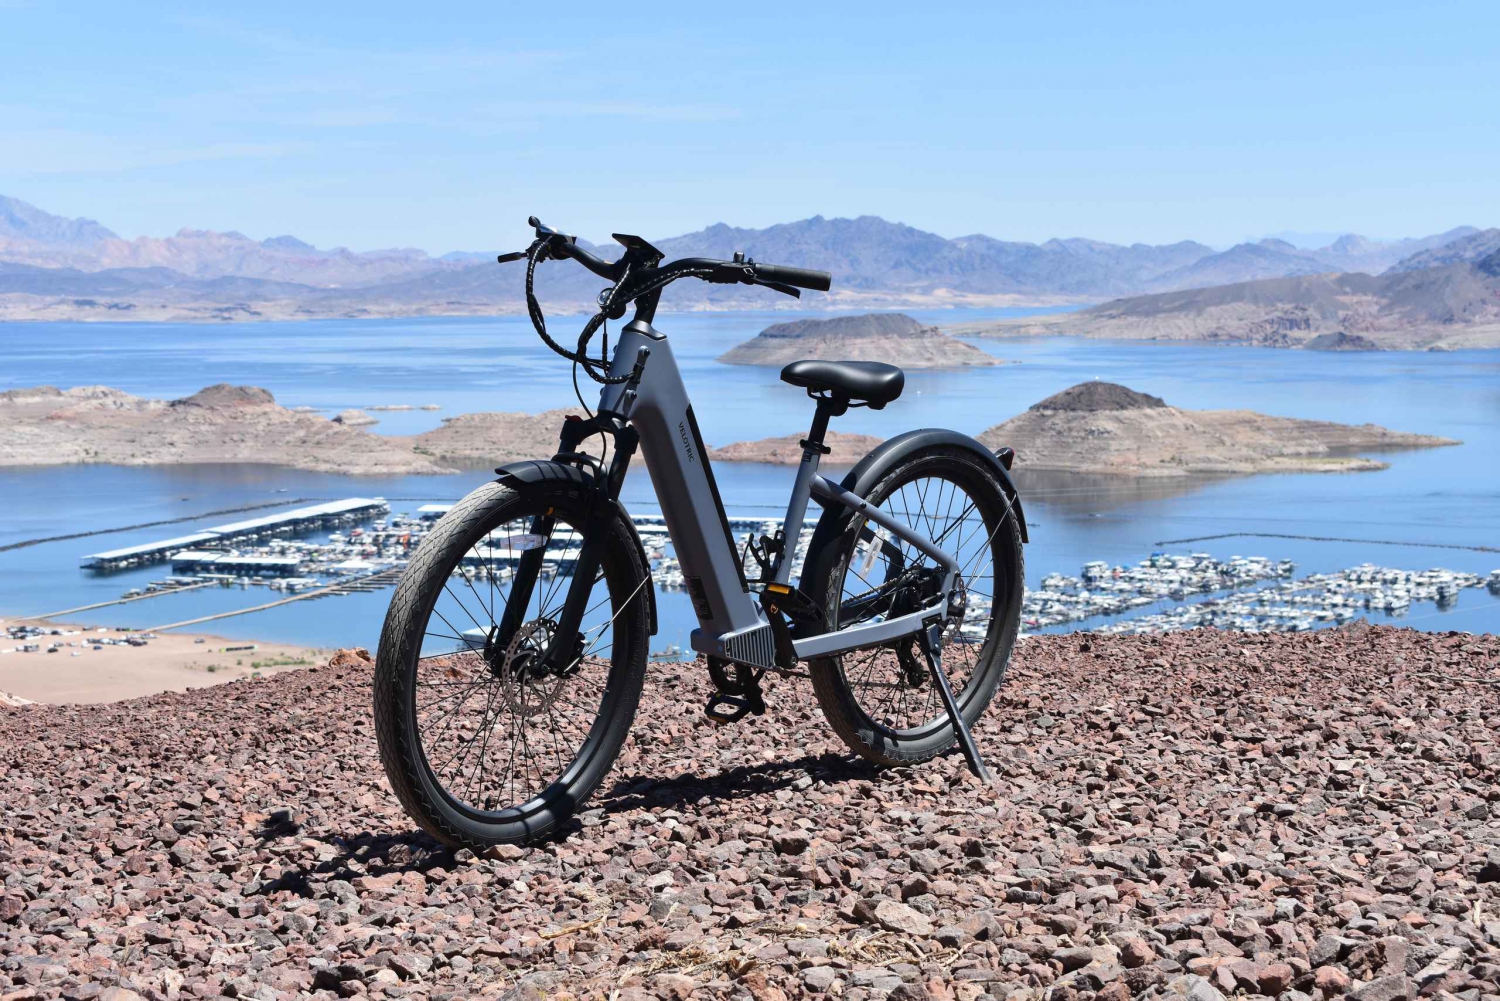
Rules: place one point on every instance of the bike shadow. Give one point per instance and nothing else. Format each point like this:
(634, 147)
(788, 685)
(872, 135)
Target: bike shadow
(366, 853)
(641, 791)
(370, 853)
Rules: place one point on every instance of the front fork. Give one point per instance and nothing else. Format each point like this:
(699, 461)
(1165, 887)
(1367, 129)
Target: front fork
(566, 645)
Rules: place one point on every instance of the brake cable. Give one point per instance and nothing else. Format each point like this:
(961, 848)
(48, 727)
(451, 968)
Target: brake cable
(539, 321)
(592, 366)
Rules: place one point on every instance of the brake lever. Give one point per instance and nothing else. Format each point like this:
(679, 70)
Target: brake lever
(777, 286)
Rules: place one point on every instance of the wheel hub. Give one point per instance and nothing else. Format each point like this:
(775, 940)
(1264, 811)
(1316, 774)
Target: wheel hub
(527, 686)
(922, 586)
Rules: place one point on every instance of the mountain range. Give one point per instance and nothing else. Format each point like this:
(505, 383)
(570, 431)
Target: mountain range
(54, 267)
(1438, 299)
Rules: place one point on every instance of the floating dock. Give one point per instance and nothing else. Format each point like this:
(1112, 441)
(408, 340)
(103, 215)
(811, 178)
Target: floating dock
(303, 519)
(199, 561)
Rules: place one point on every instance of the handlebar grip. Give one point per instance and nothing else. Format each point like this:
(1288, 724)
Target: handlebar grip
(818, 281)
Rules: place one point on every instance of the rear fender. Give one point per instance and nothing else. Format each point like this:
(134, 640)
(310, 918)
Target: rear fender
(530, 473)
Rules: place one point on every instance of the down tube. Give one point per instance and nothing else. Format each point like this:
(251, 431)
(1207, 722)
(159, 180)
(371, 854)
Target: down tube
(659, 408)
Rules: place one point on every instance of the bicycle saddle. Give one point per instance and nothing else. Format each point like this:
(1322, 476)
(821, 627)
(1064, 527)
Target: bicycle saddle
(861, 381)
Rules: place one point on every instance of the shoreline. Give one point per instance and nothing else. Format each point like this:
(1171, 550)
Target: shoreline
(14, 311)
(86, 671)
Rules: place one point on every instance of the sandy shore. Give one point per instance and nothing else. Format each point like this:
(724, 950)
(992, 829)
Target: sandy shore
(85, 670)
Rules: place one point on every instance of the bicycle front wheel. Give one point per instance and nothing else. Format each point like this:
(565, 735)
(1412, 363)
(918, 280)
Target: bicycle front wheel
(482, 744)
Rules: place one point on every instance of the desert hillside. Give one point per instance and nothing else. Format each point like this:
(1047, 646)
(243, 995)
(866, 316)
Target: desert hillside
(1454, 305)
(1201, 814)
(1100, 427)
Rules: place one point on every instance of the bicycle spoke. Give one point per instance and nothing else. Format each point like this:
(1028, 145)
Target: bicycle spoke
(892, 683)
(497, 730)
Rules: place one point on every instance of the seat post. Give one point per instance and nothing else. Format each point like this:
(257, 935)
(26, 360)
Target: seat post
(827, 407)
(813, 451)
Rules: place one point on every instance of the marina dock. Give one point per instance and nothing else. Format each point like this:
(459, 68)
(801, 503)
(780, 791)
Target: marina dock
(298, 520)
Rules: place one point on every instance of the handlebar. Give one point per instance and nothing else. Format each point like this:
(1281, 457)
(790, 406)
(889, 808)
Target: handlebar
(818, 281)
(560, 245)
(639, 276)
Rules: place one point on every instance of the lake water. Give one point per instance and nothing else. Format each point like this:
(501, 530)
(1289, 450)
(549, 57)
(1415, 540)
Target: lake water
(1437, 497)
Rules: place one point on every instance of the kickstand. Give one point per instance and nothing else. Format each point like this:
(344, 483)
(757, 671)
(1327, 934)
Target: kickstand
(928, 640)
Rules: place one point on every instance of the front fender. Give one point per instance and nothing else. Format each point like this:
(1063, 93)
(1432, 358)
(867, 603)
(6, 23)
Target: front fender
(529, 473)
(862, 478)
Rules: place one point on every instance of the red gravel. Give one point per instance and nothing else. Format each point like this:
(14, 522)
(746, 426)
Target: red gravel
(1196, 814)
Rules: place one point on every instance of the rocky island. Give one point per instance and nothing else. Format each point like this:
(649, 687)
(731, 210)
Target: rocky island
(847, 449)
(1101, 427)
(1095, 427)
(46, 426)
(894, 338)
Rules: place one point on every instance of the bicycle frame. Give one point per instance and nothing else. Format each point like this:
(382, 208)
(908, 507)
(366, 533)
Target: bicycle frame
(732, 625)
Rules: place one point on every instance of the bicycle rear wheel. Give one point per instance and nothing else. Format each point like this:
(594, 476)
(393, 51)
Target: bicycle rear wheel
(481, 743)
(881, 701)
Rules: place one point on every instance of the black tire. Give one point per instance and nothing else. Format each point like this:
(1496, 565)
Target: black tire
(882, 702)
(424, 664)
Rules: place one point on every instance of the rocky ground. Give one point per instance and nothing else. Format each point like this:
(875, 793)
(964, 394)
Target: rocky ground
(1202, 814)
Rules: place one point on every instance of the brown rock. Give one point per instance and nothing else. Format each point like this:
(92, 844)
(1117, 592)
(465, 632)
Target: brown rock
(674, 986)
(909, 992)
(1330, 980)
(1135, 953)
(1274, 978)
(896, 917)
(1385, 989)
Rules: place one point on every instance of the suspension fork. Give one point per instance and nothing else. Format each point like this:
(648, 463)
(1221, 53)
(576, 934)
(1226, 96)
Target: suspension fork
(567, 639)
(566, 644)
(523, 583)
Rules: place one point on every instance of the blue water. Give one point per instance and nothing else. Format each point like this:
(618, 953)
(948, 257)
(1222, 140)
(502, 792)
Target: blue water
(1440, 496)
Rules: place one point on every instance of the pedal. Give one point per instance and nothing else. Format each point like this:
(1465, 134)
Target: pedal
(725, 709)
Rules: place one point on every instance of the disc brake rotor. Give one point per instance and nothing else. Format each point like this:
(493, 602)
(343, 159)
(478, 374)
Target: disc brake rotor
(523, 688)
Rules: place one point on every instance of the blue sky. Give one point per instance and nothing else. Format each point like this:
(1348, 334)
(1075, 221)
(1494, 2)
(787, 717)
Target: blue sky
(443, 125)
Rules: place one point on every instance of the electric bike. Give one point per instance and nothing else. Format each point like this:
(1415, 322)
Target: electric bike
(513, 654)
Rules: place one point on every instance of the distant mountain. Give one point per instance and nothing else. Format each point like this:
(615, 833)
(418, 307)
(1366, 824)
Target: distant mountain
(876, 264)
(1277, 258)
(1478, 244)
(22, 222)
(29, 235)
(870, 254)
(1244, 262)
(1454, 306)
(1359, 253)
